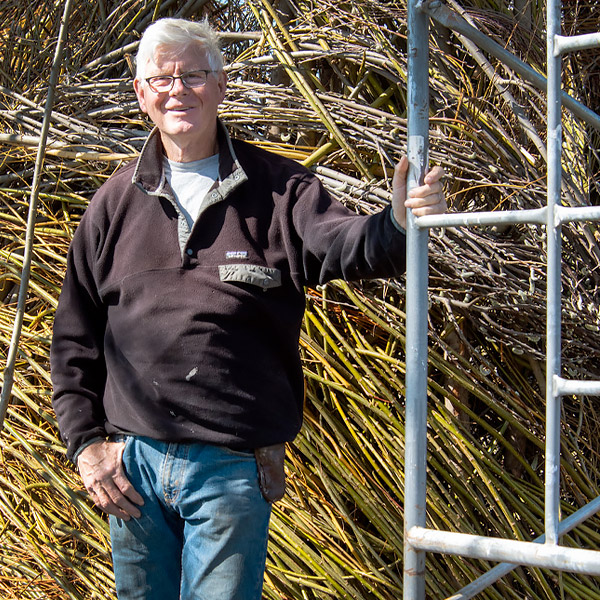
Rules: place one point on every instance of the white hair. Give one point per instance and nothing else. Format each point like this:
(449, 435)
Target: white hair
(178, 35)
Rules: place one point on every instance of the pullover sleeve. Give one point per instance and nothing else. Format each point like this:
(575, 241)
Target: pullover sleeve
(337, 243)
(77, 358)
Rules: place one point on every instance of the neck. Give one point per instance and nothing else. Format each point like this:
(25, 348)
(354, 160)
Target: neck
(190, 146)
(180, 150)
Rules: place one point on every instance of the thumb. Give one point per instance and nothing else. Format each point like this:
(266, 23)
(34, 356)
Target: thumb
(399, 191)
(400, 173)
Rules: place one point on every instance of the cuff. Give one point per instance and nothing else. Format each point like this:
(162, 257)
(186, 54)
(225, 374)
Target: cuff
(395, 222)
(84, 446)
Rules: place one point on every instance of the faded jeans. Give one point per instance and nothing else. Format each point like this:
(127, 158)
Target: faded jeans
(204, 526)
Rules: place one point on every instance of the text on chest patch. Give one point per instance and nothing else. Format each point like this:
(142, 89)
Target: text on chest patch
(236, 254)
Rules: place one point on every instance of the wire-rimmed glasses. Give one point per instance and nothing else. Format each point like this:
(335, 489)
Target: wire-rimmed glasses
(191, 79)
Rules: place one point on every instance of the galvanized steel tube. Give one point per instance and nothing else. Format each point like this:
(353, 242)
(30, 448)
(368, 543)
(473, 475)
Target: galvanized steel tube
(564, 44)
(553, 315)
(549, 556)
(415, 461)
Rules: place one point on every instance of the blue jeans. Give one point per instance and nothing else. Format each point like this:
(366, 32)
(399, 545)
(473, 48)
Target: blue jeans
(204, 526)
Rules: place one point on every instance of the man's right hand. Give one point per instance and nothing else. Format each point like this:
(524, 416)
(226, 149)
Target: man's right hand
(101, 468)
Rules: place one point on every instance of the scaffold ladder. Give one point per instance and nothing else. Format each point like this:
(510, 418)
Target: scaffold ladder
(546, 551)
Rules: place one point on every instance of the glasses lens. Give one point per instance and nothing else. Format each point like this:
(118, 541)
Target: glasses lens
(161, 84)
(194, 78)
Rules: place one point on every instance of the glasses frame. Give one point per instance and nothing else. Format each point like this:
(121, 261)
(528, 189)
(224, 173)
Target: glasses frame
(148, 80)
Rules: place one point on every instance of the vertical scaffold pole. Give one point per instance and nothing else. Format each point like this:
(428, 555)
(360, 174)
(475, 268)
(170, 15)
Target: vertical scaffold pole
(553, 236)
(415, 460)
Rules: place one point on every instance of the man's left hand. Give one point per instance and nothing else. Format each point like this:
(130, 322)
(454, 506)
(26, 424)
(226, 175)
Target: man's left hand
(426, 199)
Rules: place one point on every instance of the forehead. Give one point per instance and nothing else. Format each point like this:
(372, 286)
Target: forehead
(168, 58)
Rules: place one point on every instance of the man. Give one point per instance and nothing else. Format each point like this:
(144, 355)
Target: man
(175, 360)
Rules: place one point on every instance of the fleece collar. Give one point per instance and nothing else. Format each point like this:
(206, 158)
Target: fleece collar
(149, 173)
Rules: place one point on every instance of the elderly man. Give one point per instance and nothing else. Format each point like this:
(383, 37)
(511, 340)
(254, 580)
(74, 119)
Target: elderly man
(175, 361)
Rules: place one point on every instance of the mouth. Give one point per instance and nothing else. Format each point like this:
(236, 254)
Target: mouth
(179, 109)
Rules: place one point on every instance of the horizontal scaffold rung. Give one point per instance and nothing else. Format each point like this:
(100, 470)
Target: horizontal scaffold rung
(549, 556)
(564, 44)
(539, 216)
(564, 387)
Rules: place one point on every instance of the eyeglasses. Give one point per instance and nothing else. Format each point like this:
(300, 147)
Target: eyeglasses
(192, 79)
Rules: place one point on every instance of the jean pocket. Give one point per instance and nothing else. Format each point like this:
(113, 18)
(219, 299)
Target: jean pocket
(126, 440)
(237, 452)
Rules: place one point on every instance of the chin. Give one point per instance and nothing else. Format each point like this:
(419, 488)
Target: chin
(183, 128)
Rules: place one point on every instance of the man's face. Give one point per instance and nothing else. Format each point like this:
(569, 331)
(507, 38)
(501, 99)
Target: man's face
(182, 113)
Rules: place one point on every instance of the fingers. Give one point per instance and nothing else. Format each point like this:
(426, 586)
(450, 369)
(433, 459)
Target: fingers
(116, 496)
(101, 469)
(428, 199)
(112, 500)
(435, 207)
(435, 174)
(432, 184)
(431, 204)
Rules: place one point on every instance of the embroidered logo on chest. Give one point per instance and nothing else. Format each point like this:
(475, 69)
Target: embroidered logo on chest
(236, 254)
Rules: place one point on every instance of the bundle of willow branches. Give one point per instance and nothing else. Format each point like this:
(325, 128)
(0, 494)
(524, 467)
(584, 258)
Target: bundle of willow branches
(325, 83)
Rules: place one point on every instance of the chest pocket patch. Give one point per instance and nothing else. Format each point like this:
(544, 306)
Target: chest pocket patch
(263, 277)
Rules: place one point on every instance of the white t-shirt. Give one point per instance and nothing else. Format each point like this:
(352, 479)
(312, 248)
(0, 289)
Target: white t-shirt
(190, 182)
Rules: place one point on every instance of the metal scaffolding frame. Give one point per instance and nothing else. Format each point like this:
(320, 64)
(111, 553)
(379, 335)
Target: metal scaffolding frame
(545, 551)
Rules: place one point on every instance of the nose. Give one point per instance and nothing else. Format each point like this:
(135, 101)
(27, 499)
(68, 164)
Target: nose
(177, 87)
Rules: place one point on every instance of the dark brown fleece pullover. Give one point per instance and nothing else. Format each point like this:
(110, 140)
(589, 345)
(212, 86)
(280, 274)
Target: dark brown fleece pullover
(193, 336)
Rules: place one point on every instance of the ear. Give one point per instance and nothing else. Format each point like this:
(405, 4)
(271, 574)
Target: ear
(140, 91)
(222, 85)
